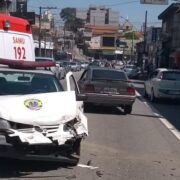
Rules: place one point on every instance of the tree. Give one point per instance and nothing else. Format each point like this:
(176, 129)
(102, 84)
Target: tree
(71, 23)
(131, 35)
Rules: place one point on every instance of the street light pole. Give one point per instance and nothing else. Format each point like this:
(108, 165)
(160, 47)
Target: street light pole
(40, 24)
(132, 48)
(145, 33)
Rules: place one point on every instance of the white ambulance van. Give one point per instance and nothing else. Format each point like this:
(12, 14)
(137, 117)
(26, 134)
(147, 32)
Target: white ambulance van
(38, 118)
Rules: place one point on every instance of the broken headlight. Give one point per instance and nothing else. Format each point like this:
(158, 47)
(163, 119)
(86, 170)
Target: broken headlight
(69, 126)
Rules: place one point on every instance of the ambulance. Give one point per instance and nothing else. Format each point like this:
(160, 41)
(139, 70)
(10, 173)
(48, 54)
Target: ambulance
(39, 118)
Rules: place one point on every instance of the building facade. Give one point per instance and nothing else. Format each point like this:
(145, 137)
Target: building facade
(170, 52)
(98, 16)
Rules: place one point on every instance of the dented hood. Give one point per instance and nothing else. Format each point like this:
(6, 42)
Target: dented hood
(39, 109)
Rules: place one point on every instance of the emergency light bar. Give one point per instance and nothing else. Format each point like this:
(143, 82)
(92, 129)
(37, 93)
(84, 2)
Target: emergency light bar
(18, 64)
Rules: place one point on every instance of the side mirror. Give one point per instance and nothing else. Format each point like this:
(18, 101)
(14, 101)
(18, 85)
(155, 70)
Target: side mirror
(81, 97)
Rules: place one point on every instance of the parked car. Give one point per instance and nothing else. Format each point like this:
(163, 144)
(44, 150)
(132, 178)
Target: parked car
(95, 63)
(75, 66)
(163, 83)
(55, 69)
(38, 118)
(107, 86)
(132, 71)
(118, 65)
(84, 64)
(62, 70)
(66, 65)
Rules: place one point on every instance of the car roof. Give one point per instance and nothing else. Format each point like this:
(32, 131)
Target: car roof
(38, 71)
(130, 65)
(104, 68)
(168, 69)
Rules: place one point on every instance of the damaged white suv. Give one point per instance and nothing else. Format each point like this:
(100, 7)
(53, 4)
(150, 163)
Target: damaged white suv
(38, 118)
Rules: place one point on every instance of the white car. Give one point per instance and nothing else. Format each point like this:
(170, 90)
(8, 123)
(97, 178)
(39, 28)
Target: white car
(163, 83)
(38, 118)
(62, 70)
(55, 69)
(75, 66)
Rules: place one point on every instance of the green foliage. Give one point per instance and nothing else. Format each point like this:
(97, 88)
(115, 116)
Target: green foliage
(71, 22)
(131, 35)
(68, 14)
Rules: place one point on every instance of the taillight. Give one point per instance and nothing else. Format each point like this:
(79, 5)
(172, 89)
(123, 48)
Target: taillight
(89, 88)
(131, 91)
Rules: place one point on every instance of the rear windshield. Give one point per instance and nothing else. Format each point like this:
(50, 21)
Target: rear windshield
(171, 76)
(108, 74)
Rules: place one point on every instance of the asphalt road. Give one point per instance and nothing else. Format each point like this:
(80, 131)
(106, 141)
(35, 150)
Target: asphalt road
(119, 147)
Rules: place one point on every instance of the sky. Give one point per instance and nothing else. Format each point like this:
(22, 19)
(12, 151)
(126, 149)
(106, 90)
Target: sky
(131, 9)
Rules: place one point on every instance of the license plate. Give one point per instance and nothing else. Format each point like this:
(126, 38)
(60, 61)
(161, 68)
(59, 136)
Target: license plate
(110, 90)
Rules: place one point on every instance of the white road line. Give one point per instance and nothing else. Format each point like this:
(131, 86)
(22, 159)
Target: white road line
(167, 124)
(86, 166)
(137, 94)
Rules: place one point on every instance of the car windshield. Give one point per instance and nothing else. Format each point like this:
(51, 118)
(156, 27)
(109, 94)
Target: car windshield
(171, 76)
(108, 75)
(21, 83)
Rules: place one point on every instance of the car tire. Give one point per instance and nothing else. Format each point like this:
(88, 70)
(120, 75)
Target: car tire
(59, 76)
(87, 107)
(75, 157)
(128, 109)
(152, 97)
(145, 92)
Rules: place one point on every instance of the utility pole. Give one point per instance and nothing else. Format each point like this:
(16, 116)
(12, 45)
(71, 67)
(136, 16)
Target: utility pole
(132, 48)
(40, 24)
(143, 63)
(145, 33)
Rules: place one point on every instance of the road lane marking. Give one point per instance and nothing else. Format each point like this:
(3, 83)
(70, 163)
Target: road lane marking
(163, 120)
(86, 166)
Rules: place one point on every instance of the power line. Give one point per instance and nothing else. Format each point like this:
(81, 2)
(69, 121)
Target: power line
(123, 3)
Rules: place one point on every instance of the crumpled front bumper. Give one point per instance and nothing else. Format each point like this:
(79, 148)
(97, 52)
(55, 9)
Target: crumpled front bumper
(46, 135)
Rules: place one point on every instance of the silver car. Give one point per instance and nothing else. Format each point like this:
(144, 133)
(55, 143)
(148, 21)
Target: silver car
(107, 86)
